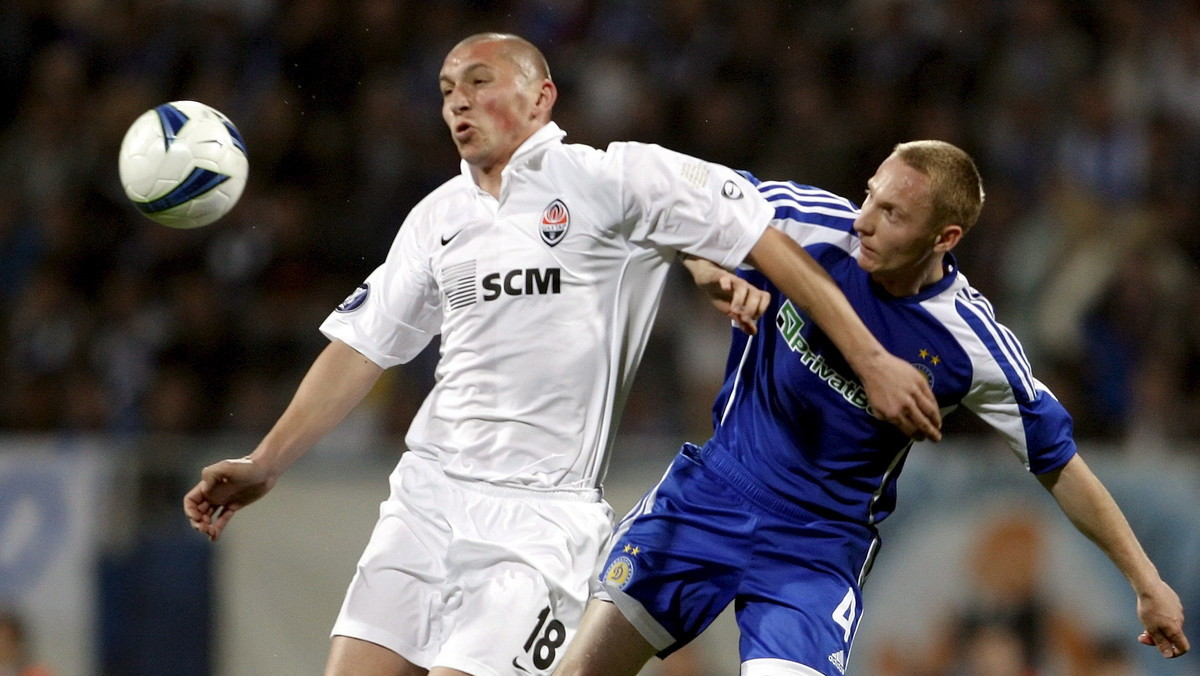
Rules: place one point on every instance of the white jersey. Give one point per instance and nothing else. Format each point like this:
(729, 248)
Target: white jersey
(544, 299)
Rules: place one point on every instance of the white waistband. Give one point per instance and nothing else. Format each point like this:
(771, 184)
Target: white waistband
(528, 493)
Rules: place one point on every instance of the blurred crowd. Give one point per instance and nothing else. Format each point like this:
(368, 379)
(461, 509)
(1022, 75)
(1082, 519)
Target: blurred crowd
(1084, 117)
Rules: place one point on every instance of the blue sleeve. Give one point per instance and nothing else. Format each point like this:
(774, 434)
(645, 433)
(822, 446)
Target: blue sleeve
(1006, 396)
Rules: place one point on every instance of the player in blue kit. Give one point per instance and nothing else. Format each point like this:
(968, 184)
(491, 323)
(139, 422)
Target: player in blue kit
(778, 511)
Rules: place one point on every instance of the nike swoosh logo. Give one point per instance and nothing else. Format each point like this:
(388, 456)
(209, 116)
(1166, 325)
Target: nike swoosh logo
(446, 240)
(515, 664)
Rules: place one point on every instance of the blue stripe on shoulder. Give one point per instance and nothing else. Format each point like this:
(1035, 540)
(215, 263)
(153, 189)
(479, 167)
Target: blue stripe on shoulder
(810, 205)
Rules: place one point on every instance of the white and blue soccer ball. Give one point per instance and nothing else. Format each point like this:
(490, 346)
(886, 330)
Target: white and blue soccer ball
(183, 164)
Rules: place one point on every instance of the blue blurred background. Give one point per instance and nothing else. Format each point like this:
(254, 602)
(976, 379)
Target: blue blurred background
(134, 354)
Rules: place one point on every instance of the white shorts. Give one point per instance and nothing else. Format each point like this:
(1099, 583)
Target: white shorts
(475, 577)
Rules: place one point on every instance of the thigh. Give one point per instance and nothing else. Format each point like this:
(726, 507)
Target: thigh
(606, 643)
(800, 602)
(515, 622)
(396, 598)
(354, 657)
(677, 560)
(461, 577)
(521, 570)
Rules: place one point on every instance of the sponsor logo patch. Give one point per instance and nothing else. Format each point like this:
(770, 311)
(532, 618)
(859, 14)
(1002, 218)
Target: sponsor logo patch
(531, 281)
(356, 299)
(790, 323)
(731, 190)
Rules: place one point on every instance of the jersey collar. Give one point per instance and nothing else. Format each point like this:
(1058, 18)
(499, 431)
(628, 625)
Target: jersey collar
(950, 270)
(549, 133)
(949, 266)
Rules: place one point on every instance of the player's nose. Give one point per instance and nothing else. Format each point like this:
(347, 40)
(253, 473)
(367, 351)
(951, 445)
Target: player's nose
(456, 101)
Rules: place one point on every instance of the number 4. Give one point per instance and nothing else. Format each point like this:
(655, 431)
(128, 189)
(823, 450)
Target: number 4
(845, 612)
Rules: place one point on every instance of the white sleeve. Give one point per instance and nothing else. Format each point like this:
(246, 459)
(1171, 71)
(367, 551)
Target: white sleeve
(690, 205)
(394, 314)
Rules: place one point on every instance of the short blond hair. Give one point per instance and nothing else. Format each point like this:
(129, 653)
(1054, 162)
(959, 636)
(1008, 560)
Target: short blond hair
(956, 189)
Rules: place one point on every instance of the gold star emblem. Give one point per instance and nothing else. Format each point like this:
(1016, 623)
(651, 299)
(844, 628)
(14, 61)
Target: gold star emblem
(924, 354)
(936, 360)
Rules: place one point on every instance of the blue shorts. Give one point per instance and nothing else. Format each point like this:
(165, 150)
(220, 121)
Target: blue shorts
(708, 535)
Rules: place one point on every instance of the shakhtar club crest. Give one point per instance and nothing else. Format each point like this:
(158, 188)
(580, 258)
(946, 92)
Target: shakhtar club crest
(555, 221)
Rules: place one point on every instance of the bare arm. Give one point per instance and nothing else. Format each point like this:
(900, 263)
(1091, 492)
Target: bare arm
(335, 383)
(1090, 507)
(733, 296)
(897, 391)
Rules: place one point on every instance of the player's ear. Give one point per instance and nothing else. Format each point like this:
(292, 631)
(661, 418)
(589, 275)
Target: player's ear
(948, 238)
(546, 96)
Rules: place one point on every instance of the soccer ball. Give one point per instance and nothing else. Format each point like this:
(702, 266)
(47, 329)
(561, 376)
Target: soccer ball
(183, 164)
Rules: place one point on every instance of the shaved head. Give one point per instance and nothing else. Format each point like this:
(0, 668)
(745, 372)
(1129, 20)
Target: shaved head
(529, 60)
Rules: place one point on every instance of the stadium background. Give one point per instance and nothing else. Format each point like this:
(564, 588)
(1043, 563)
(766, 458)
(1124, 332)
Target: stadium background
(134, 354)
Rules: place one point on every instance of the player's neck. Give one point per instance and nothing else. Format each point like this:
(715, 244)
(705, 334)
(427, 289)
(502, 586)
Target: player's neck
(488, 172)
(905, 283)
(489, 179)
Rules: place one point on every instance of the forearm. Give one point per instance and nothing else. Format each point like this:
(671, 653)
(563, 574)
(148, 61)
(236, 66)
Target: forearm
(336, 382)
(898, 393)
(806, 284)
(701, 269)
(1092, 510)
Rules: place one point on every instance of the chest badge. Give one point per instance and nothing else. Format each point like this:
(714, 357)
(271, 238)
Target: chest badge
(555, 221)
(933, 360)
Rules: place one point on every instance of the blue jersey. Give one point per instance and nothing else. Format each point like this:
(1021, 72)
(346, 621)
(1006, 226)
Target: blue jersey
(778, 510)
(792, 416)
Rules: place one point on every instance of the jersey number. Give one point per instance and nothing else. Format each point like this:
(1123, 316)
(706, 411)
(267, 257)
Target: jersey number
(845, 612)
(543, 646)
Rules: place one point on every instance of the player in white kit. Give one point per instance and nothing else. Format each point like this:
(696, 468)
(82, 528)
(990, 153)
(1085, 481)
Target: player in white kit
(541, 266)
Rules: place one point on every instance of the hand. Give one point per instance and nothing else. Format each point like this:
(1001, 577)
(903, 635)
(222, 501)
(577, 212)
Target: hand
(1161, 614)
(733, 296)
(224, 488)
(899, 394)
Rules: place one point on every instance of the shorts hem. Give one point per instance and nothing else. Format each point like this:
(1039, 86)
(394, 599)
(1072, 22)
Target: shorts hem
(650, 629)
(776, 667)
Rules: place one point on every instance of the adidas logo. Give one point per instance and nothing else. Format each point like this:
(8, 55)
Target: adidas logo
(838, 660)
